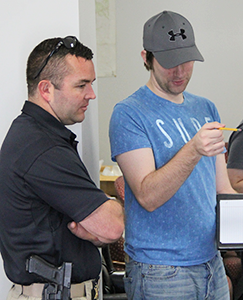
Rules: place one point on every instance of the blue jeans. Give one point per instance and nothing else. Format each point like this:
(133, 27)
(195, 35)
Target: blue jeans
(158, 282)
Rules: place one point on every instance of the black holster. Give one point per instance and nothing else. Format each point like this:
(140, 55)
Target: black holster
(59, 279)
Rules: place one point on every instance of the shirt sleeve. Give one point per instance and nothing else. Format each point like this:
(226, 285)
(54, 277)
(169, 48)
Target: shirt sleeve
(235, 157)
(126, 131)
(59, 178)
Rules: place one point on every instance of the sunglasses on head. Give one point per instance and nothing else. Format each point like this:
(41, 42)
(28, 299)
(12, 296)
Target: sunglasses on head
(68, 42)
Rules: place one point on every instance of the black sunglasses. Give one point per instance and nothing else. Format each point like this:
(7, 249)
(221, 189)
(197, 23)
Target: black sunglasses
(68, 42)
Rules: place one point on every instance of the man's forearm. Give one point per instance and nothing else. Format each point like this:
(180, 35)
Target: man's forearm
(159, 186)
(103, 226)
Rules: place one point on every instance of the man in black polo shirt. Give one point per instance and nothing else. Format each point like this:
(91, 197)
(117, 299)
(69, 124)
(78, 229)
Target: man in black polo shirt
(49, 205)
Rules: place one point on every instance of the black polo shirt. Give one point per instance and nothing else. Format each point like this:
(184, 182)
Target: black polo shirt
(43, 186)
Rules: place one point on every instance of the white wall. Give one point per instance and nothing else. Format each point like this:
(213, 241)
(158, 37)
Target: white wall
(90, 131)
(218, 27)
(23, 24)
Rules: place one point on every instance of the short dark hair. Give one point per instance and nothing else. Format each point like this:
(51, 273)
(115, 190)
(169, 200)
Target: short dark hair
(149, 60)
(56, 68)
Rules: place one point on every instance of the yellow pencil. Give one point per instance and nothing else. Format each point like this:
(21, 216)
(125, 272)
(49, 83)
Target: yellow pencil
(230, 129)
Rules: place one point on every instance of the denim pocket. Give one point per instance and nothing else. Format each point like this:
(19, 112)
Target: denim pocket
(132, 274)
(130, 269)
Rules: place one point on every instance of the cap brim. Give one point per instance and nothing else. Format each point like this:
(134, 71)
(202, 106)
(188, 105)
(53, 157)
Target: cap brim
(172, 58)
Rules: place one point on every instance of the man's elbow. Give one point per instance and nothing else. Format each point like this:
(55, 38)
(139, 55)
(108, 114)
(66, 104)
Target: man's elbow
(116, 232)
(119, 230)
(237, 186)
(147, 203)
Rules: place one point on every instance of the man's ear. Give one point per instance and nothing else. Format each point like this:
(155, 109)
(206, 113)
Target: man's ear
(45, 88)
(143, 54)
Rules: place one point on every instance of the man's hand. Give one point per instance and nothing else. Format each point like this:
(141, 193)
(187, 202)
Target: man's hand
(78, 230)
(209, 141)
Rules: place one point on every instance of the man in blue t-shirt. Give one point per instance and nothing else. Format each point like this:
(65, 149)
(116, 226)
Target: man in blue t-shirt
(171, 153)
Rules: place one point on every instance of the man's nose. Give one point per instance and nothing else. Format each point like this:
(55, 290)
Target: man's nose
(90, 93)
(179, 70)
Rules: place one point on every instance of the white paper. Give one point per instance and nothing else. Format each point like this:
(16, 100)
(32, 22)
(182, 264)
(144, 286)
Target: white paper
(231, 222)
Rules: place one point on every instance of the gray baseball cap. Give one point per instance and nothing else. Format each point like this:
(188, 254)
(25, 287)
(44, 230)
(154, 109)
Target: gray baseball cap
(169, 36)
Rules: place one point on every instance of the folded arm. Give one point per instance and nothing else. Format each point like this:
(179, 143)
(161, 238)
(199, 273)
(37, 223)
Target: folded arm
(105, 225)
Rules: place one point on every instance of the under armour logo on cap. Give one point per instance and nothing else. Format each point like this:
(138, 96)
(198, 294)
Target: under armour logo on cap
(174, 35)
(170, 37)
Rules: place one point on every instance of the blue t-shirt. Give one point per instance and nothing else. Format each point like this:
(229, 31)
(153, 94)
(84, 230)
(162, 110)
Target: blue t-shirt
(182, 231)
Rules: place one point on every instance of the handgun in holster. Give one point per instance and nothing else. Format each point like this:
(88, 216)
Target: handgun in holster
(59, 279)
